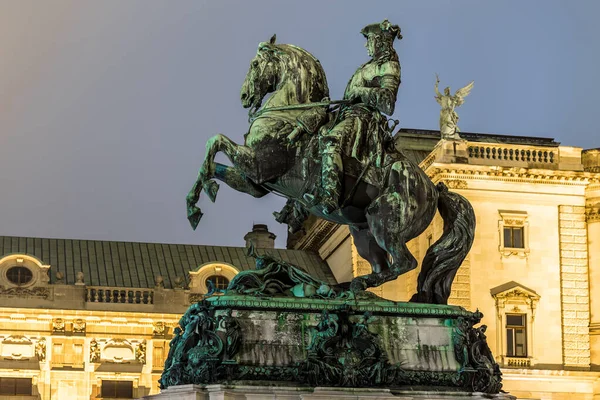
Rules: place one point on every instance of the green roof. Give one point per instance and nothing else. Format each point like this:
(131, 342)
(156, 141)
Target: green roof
(132, 264)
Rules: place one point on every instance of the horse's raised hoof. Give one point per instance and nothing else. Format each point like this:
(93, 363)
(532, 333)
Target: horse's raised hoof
(194, 216)
(211, 188)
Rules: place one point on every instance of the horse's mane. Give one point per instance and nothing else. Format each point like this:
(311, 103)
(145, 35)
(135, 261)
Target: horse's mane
(303, 68)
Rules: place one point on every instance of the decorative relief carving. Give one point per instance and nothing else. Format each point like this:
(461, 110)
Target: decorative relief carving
(94, 351)
(195, 297)
(140, 352)
(58, 325)
(17, 347)
(79, 326)
(456, 183)
(158, 328)
(592, 214)
(40, 350)
(16, 291)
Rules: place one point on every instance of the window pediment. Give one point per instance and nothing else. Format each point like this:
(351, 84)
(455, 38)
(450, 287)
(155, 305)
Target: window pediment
(514, 290)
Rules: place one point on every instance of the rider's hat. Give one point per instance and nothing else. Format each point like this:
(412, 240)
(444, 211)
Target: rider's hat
(382, 28)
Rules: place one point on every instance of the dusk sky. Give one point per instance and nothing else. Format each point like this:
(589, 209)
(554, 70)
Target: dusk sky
(106, 106)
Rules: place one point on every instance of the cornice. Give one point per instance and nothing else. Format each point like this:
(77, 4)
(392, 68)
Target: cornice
(494, 173)
(316, 236)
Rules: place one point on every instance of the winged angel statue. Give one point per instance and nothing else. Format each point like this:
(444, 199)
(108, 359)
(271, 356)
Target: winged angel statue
(449, 117)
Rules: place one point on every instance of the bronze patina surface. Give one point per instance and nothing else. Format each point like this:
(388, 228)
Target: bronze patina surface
(337, 160)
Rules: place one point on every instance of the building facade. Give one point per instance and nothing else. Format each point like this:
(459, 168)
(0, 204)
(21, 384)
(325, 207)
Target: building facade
(534, 268)
(83, 319)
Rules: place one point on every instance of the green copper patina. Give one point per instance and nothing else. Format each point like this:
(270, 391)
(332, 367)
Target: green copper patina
(336, 160)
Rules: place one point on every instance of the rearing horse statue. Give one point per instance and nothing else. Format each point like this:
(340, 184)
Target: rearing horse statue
(384, 206)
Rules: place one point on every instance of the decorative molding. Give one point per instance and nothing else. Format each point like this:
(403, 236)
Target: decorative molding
(316, 236)
(456, 183)
(16, 291)
(530, 175)
(318, 305)
(592, 214)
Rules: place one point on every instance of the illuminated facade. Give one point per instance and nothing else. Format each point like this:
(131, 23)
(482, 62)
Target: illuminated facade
(87, 320)
(534, 268)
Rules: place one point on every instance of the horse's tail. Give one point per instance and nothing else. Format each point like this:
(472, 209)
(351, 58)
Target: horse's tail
(445, 256)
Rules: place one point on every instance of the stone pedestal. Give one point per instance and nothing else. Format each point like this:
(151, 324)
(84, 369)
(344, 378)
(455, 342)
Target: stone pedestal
(242, 392)
(337, 342)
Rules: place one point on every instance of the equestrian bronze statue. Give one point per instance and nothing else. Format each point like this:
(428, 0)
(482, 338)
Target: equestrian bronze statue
(337, 160)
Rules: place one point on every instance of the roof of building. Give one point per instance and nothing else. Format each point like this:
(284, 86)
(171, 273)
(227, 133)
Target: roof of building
(131, 264)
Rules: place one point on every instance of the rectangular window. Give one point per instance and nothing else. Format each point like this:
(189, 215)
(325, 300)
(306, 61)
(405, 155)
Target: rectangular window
(58, 356)
(516, 335)
(158, 357)
(15, 386)
(429, 241)
(513, 237)
(117, 389)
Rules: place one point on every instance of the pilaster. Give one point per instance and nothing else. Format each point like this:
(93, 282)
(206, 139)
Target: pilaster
(575, 298)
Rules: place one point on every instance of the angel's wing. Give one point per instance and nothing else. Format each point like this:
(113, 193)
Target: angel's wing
(462, 93)
(438, 95)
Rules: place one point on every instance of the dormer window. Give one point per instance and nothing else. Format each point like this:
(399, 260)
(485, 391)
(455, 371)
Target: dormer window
(19, 275)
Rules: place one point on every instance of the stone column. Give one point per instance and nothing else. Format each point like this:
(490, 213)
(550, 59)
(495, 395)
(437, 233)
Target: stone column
(575, 298)
(593, 226)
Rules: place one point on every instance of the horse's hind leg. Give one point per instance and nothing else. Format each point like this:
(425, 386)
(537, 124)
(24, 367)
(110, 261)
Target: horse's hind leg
(238, 181)
(367, 248)
(392, 223)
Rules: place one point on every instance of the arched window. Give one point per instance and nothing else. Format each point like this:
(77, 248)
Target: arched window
(19, 275)
(220, 281)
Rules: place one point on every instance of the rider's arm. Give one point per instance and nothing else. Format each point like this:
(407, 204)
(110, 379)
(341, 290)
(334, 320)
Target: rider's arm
(382, 96)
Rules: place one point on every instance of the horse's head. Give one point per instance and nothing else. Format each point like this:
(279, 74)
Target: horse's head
(262, 75)
(277, 64)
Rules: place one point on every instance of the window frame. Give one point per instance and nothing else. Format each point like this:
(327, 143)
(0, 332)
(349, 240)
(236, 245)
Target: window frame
(513, 219)
(514, 328)
(512, 298)
(215, 278)
(116, 391)
(16, 379)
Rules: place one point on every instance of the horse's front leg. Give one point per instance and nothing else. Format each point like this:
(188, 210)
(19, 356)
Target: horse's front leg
(204, 181)
(242, 158)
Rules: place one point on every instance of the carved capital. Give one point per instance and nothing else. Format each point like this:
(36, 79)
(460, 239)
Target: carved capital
(592, 214)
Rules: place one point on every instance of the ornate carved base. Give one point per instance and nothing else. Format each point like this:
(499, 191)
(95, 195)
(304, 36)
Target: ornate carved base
(373, 343)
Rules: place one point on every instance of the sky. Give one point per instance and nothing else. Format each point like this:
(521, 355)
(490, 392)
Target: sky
(106, 106)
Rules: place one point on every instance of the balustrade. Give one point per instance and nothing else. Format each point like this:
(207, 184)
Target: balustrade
(96, 294)
(507, 153)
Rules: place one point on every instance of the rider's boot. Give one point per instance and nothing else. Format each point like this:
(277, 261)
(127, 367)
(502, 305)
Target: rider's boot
(330, 190)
